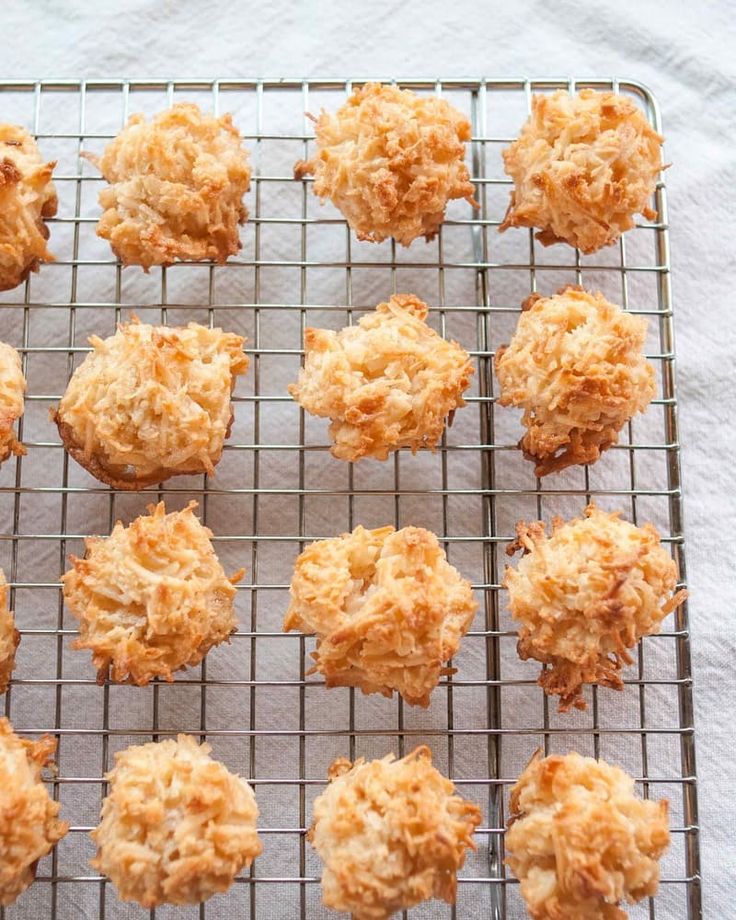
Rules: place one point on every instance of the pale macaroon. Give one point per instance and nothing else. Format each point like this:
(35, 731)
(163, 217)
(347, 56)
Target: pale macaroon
(9, 636)
(387, 383)
(387, 607)
(583, 166)
(29, 824)
(391, 834)
(27, 200)
(576, 366)
(176, 826)
(175, 188)
(579, 840)
(151, 402)
(390, 161)
(152, 598)
(585, 595)
(12, 401)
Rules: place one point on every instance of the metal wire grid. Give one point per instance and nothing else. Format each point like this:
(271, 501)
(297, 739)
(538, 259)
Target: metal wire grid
(470, 492)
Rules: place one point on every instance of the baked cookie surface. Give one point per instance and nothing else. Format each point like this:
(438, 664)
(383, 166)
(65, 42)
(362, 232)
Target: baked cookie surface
(176, 187)
(390, 161)
(580, 841)
(27, 199)
(176, 826)
(575, 365)
(582, 166)
(151, 598)
(387, 607)
(391, 834)
(585, 595)
(386, 383)
(29, 823)
(151, 402)
(9, 636)
(12, 403)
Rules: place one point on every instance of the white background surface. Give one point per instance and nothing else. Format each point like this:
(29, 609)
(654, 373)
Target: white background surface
(685, 52)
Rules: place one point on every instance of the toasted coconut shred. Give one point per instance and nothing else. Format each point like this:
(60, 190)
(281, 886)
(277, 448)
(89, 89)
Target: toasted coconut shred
(391, 834)
(27, 198)
(575, 366)
(9, 636)
(390, 161)
(12, 390)
(389, 382)
(177, 826)
(580, 842)
(151, 598)
(387, 607)
(176, 188)
(151, 402)
(582, 166)
(587, 594)
(29, 824)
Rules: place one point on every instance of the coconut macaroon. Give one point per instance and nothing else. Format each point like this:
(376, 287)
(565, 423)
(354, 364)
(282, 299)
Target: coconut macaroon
(9, 636)
(387, 607)
(585, 595)
(151, 402)
(575, 365)
(151, 598)
(176, 187)
(176, 826)
(389, 382)
(12, 390)
(27, 199)
(29, 823)
(582, 166)
(391, 834)
(390, 161)
(580, 841)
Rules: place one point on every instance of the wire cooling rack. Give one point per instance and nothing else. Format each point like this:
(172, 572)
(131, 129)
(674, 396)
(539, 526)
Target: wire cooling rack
(277, 487)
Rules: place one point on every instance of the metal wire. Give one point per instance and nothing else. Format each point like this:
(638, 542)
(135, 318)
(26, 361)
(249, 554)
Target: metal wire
(480, 724)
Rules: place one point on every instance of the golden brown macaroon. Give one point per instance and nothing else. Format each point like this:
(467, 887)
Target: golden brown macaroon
(585, 595)
(176, 826)
(390, 161)
(391, 834)
(27, 198)
(9, 636)
(151, 598)
(29, 826)
(580, 841)
(176, 187)
(389, 382)
(582, 166)
(387, 607)
(12, 390)
(575, 365)
(151, 402)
